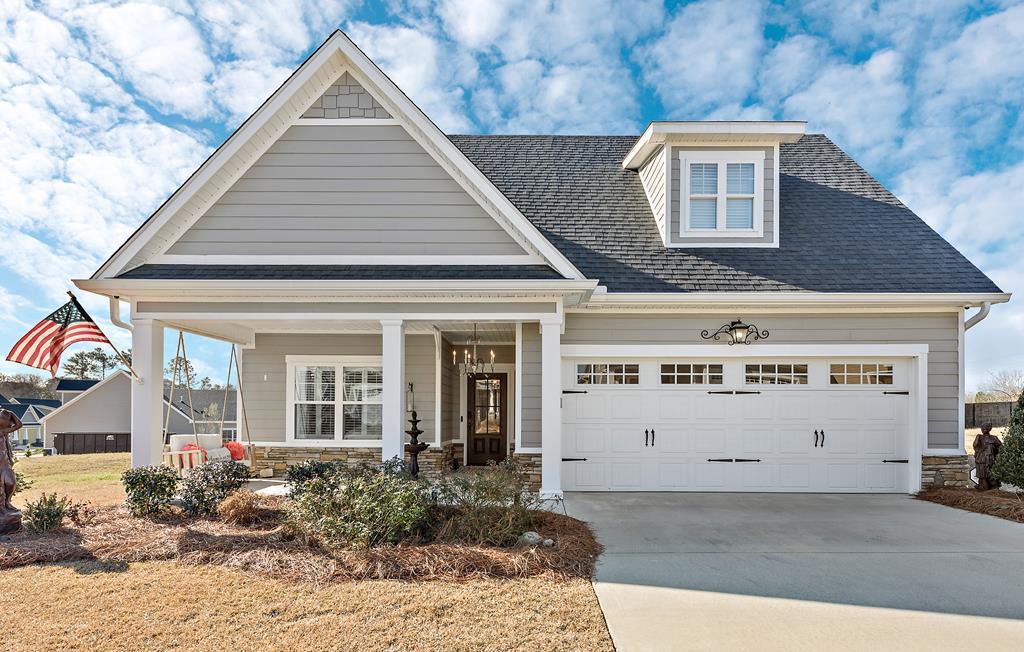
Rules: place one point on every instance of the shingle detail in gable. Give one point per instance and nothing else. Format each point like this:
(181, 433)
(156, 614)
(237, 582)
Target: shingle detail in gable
(346, 98)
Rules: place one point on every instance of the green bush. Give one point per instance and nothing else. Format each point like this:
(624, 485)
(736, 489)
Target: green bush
(1009, 466)
(491, 505)
(45, 514)
(21, 481)
(301, 474)
(206, 486)
(149, 489)
(361, 507)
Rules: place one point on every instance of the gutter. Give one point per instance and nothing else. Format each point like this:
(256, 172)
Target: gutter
(983, 310)
(115, 314)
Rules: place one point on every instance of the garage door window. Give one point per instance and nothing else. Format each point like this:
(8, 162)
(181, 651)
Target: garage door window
(776, 374)
(691, 374)
(608, 374)
(860, 374)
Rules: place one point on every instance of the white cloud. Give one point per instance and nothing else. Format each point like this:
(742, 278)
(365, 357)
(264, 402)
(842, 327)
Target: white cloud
(708, 57)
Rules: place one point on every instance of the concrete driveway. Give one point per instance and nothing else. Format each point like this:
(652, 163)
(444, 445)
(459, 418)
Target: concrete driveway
(794, 572)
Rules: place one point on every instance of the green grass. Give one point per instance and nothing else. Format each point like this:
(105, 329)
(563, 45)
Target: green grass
(94, 478)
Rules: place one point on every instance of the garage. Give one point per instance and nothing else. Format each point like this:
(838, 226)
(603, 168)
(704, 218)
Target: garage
(742, 424)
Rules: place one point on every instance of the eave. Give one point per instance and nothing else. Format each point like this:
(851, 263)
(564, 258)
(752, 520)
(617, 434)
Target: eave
(806, 302)
(725, 132)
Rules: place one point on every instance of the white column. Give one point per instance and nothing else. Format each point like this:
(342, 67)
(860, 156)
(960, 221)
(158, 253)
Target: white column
(551, 407)
(393, 437)
(147, 392)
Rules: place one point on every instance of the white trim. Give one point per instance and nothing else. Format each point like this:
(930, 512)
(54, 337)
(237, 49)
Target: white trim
(743, 351)
(551, 407)
(438, 361)
(393, 399)
(518, 429)
(962, 385)
(775, 193)
(256, 130)
(386, 259)
(339, 362)
(831, 299)
(344, 122)
(944, 452)
(666, 231)
(718, 131)
(721, 159)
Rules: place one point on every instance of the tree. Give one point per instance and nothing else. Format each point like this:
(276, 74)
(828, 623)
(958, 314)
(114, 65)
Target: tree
(186, 372)
(103, 360)
(81, 365)
(27, 385)
(1007, 384)
(1009, 466)
(206, 383)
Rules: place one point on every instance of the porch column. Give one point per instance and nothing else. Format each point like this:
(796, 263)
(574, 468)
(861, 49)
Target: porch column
(147, 393)
(393, 340)
(551, 407)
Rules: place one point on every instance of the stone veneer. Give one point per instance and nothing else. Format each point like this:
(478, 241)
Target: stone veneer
(346, 99)
(945, 471)
(531, 465)
(433, 461)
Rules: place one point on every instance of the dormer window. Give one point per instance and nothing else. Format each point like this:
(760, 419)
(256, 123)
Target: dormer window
(722, 193)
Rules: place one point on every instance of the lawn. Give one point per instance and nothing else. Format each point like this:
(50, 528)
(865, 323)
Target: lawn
(177, 602)
(92, 478)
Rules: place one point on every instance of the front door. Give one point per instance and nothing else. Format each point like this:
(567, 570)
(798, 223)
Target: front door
(486, 396)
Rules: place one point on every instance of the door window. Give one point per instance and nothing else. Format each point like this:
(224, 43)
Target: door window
(608, 374)
(775, 374)
(857, 373)
(691, 374)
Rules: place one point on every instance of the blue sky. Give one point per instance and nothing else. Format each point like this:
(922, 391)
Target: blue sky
(106, 107)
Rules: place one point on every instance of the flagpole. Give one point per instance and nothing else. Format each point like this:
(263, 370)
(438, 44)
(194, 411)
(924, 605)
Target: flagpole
(120, 356)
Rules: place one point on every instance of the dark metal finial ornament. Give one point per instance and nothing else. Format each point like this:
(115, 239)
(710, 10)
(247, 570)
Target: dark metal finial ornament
(738, 332)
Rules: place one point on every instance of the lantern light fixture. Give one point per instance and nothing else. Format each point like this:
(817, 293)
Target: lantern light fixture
(737, 332)
(472, 364)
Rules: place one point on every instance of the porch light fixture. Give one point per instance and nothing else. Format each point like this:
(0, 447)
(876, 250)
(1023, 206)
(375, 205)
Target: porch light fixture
(738, 332)
(473, 364)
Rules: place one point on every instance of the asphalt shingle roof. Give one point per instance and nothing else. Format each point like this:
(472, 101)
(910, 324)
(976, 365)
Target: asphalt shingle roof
(74, 384)
(840, 230)
(343, 272)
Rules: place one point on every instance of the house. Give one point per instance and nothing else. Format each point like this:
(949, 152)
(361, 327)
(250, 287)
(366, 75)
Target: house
(30, 432)
(68, 388)
(105, 408)
(572, 301)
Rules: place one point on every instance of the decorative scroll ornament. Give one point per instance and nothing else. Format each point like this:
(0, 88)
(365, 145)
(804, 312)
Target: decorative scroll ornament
(738, 333)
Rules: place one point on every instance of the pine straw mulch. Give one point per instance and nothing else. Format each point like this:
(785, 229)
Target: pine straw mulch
(111, 534)
(1003, 504)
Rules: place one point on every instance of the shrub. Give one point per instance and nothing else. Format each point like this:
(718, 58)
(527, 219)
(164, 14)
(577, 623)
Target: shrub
(492, 505)
(21, 481)
(1009, 466)
(303, 473)
(45, 514)
(149, 489)
(240, 508)
(203, 489)
(361, 507)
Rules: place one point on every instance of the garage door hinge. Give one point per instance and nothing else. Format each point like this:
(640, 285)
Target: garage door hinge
(898, 393)
(895, 461)
(574, 459)
(574, 391)
(733, 392)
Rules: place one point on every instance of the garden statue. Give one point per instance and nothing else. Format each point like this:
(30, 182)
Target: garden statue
(986, 447)
(10, 518)
(415, 446)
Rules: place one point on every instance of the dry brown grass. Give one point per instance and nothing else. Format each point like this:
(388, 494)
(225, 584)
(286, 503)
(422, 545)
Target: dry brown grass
(111, 534)
(93, 478)
(994, 503)
(162, 605)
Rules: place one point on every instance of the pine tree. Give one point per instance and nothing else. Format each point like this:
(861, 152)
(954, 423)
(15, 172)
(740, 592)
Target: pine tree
(81, 365)
(1009, 466)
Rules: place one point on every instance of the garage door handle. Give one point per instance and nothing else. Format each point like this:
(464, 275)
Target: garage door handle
(815, 438)
(652, 436)
(823, 439)
(646, 435)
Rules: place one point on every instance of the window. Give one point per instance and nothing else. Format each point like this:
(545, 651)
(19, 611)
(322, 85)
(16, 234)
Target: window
(608, 374)
(860, 374)
(335, 399)
(775, 374)
(722, 193)
(691, 374)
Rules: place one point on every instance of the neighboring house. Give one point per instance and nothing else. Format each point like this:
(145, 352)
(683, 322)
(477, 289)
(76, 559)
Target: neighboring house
(351, 249)
(106, 408)
(68, 388)
(30, 433)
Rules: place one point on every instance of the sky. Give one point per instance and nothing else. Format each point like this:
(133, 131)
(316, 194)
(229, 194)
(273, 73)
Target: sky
(106, 107)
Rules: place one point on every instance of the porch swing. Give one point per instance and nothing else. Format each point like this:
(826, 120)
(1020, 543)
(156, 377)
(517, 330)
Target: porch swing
(183, 452)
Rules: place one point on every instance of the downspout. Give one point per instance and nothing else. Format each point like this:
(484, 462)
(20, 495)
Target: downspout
(983, 311)
(115, 314)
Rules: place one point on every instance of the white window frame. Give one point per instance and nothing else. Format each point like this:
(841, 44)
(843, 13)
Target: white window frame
(707, 374)
(846, 374)
(722, 159)
(810, 384)
(608, 374)
(339, 362)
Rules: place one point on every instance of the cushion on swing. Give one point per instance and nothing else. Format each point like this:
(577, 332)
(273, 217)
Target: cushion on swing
(193, 447)
(178, 442)
(236, 449)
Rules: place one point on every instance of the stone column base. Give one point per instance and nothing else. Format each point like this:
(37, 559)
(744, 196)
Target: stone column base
(531, 465)
(433, 461)
(945, 471)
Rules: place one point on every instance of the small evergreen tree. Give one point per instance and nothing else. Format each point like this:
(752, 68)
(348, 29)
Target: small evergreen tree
(81, 365)
(1009, 466)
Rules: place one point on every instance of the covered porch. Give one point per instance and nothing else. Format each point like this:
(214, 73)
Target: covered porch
(340, 380)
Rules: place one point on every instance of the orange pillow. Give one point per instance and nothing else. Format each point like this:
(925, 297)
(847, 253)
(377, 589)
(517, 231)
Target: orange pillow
(193, 447)
(236, 449)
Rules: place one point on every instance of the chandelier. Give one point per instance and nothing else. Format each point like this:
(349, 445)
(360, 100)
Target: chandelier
(472, 364)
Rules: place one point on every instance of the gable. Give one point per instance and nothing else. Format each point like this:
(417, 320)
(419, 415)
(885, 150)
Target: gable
(346, 99)
(346, 190)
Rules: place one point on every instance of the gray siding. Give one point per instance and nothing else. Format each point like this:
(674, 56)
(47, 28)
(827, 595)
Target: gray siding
(939, 331)
(357, 190)
(769, 197)
(531, 386)
(346, 98)
(652, 176)
(264, 374)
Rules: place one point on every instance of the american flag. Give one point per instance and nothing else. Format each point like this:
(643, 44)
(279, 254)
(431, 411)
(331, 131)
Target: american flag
(42, 346)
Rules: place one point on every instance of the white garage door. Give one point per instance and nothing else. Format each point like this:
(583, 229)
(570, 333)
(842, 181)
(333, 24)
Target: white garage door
(736, 425)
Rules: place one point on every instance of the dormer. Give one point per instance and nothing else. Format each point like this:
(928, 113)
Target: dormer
(713, 184)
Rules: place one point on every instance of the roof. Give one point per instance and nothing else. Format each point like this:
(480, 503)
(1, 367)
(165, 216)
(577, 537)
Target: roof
(22, 411)
(46, 402)
(74, 384)
(343, 272)
(840, 229)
